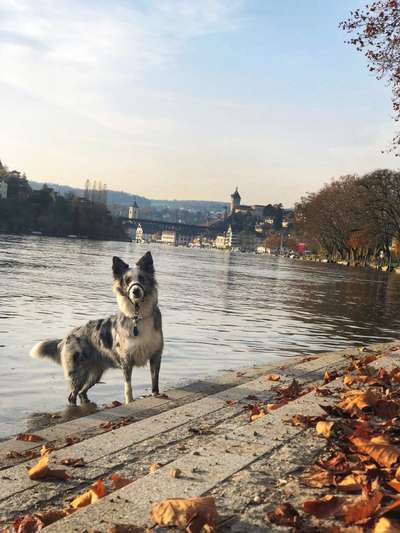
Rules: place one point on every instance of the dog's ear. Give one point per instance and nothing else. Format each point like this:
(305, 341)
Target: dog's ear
(146, 263)
(119, 267)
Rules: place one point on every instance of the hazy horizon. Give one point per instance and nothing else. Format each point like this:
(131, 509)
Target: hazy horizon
(187, 99)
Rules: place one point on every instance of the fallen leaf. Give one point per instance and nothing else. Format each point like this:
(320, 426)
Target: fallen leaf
(273, 377)
(116, 403)
(76, 463)
(363, 508)
(305, 421)
(153, 467)
(394, 506)
(29, 437)
(317, 477)
(385, 455)
(231, 402)
(395, 484)
(385, 525)
(326, 506)
(352, 483)
(118, 482)
(190, 513)
(386, 409)
(41, 470)
(72, 440)
(337, 463)
(284, 515)
(356, 401)
(95, 493)
(324, 428)
(291, 392)
(330, 376)
(28, 524)
(52, 515)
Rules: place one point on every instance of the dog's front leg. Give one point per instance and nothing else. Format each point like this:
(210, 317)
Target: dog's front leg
(127, 370)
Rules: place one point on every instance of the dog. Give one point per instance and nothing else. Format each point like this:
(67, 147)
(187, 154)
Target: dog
(130, 338)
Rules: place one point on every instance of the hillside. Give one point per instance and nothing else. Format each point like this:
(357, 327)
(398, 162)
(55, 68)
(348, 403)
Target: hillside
(125, 199)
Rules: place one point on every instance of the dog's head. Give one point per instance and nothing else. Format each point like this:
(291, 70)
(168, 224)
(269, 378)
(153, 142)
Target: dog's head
(134, 285)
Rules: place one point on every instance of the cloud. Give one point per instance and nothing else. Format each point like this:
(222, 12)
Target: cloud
(91, 56)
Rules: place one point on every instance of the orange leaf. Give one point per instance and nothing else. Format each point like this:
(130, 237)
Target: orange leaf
(96, 491)
(29, 437)
(324, 428)
(394, 484)
(355, 400)
(118, 482)
(352, 483)
(363, 508)
(153, 467)
(190, 513)
(41, 470)
(385, 455)
(273, 377)
(385, 525)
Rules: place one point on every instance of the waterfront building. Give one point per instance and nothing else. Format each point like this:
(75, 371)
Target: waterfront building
(3, 190)
(235, 201)
(168, 237)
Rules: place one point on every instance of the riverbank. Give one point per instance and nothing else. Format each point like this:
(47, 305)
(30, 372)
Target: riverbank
(372, 266)
(232, 438)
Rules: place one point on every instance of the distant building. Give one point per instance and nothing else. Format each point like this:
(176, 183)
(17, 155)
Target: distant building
(139, 234)
(133, 212)
(235, 201)
(168, 237)
(3, 190)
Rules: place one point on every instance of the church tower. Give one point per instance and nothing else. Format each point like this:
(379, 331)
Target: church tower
(235, 203)
(133, 212)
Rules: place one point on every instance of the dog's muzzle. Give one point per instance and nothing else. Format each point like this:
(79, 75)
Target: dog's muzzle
(135, 292)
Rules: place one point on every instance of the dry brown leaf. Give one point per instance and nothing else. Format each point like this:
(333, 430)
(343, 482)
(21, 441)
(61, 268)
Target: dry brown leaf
(118, 482)
(330, 376)
(363, 508)
(394, 506)
(52, 515)
(41, 470)
(284, 515)
(352, 483)
(29, 437)
(385, 525)
(305, 421)
(273, 377)
(326, 506)
(337, 463)
(96, 492)
(27, 524)
(355, 400)
(318, 477)
(190, 513)
(153, 467)
(324, 428)
(383, 454)
(386, 409)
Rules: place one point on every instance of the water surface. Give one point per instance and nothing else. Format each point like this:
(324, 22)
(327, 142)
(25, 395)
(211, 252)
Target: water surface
(220, 311)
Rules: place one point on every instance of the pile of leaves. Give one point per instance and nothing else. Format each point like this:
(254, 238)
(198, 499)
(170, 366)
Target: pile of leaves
(358, 472)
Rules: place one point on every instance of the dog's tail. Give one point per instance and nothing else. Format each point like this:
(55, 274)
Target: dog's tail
(47, 350)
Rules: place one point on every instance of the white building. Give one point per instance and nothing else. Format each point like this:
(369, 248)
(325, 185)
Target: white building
(3, 190)
(133, 211)
(168, 237)
(139, 235)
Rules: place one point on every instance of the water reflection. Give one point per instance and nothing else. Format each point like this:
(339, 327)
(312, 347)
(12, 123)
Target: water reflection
(220, 311)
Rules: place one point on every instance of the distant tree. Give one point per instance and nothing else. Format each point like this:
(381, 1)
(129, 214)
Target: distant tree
(375, 31)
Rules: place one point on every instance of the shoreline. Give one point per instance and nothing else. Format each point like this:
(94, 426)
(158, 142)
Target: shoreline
(203, 430)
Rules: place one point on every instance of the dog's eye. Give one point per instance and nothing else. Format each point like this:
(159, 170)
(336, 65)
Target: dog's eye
(128, 281)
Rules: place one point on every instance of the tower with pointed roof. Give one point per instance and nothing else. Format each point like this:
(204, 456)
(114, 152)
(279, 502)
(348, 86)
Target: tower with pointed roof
(235, 201)
(133, 212)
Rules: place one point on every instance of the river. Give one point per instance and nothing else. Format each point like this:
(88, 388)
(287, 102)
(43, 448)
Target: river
(220, 310)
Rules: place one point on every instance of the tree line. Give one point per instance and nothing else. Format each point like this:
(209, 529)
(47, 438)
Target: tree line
(26, 210)
(353, 218)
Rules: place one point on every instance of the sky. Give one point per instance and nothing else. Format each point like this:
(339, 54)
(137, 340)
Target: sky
(187, 99)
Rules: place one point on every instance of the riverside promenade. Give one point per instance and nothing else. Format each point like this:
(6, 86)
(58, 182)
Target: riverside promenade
(228, 437)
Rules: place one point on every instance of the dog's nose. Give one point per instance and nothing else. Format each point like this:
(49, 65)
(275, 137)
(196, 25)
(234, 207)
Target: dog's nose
(137, 292)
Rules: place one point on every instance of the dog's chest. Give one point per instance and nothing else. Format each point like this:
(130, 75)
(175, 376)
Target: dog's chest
(139, 349)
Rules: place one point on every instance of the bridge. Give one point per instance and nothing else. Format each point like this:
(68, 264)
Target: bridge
(157, 226)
